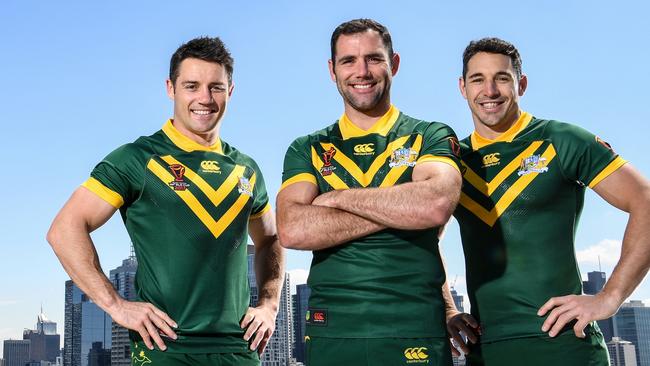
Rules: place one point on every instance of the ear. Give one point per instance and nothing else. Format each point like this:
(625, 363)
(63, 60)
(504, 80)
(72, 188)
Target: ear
(170, 89)
(330, 65)
(461, 86)
(523, 84)
(230, 89)
(394, 64)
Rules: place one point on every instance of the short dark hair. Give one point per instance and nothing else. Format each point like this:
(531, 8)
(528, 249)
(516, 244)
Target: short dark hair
(492, 45)
(203, 48)
(359, 26)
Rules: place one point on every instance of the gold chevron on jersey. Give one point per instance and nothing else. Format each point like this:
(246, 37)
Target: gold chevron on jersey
(216, 196)
(365, 178)
(512, 169)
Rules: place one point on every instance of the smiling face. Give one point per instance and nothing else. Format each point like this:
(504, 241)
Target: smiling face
(492, 89)
(200, 94)
(363, 72)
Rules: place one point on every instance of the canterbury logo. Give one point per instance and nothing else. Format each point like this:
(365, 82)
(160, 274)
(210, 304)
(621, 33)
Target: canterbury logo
(364, 149)
(416, 353)
(490, 160)
(210, 166)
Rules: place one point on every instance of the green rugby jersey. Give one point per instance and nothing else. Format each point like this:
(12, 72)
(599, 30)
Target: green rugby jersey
(387, 284)
(519, 208)
(186, 208)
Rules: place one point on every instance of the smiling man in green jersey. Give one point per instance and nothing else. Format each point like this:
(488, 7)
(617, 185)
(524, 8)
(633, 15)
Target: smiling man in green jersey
(368, 194)
(188, 201)
(524, 181)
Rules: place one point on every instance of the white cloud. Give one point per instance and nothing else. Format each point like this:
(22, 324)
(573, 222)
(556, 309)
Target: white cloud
(297, 276)
(607, 250)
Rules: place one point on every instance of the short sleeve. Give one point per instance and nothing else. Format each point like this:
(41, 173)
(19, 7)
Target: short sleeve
(117, 179)
(260, 198)
(584, 157)
(297, 163)
(440, 144)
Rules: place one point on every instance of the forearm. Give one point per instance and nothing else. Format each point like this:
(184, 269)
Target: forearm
(312, 227)
(410, 206)
(269, 265)
(635, 257)
(74, 248)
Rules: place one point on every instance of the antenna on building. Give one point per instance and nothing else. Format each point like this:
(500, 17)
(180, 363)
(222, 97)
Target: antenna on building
(599, 269)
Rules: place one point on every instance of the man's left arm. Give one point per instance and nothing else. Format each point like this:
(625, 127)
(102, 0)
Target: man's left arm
(427, 201)
(259, 321)
(629, 191)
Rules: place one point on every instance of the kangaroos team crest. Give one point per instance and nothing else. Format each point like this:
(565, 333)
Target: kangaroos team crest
(403, 156)
(245, 186)
(532, 164)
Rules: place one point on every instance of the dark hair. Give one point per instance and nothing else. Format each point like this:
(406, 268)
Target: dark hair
(492, 45)
(359, 26)
(204, 48)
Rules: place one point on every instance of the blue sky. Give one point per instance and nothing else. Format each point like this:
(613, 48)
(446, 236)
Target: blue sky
(81, 78)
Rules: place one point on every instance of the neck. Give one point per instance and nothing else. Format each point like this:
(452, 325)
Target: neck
(366, 119)
(492, 132)
(202, 138)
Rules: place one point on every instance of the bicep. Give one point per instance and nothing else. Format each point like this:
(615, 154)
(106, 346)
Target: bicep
(623, 188)
(438, 171)
(85, 208)
(297, 193)
(262, 229)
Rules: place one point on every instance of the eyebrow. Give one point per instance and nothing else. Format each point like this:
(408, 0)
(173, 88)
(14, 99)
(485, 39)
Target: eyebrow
(185, 82)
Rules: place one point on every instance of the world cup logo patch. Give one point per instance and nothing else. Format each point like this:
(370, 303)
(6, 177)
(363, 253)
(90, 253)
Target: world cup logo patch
(328, 168)
(178, 183)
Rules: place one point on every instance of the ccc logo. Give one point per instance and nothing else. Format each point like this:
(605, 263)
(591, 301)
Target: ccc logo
(210, 166)
(416, 353)
(364, 148)
(491, 159)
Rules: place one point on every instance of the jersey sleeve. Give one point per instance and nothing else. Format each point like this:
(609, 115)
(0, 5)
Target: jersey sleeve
(297, 164)
(440, 144)
(117, 179)
(585, 158)
(260, 198)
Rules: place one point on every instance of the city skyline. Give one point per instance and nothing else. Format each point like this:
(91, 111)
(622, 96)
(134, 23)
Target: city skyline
(107, 64)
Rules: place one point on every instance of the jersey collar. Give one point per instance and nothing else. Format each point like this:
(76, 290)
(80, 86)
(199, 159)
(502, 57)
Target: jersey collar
(382, 126)
(185, 143)
(479, 141)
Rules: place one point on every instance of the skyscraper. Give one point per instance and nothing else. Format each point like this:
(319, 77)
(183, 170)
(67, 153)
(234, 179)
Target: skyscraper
(632, 323)
(15, 352)
(621, 353)
(85, 324)
(300, 306)
(278, 350)
(458, 300)
(123, 278)
(595, 282)
(44, 342)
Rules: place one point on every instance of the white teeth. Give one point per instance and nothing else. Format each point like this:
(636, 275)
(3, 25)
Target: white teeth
(203, 113)
(490, 105)
(364, 86)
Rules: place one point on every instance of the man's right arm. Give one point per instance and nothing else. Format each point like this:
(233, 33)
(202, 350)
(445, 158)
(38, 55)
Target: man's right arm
(304, 226)
(70, 239)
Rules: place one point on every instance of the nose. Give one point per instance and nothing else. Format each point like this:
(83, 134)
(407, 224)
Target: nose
(491, 89)
(205, 96)
(362, 69)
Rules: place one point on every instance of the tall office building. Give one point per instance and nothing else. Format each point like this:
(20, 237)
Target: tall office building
(278, 350)
(123, 278)
(621, 353)
(458, 300)
(300, 306)
(595, 282)
(632, 323)
(85, 324)
(44, 342)
(16, 352)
